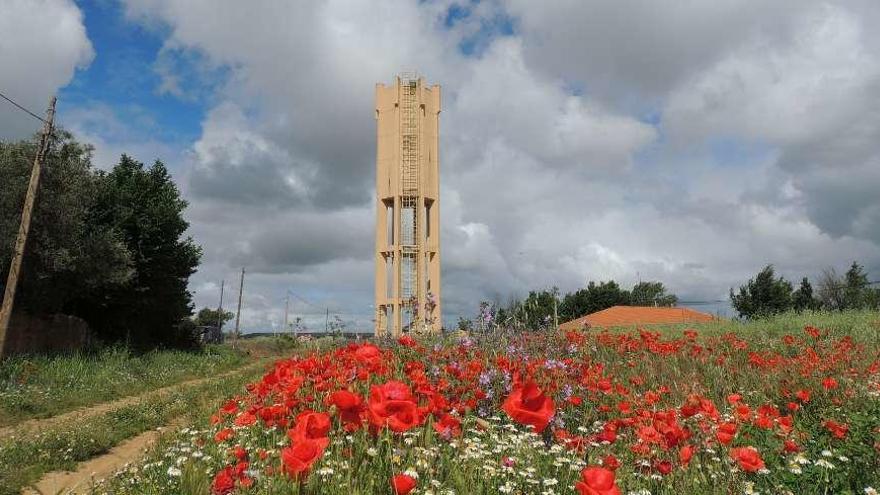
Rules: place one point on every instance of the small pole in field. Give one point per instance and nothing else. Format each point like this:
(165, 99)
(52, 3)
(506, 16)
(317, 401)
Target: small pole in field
(220, 309)
(238, 312)
(286, 310)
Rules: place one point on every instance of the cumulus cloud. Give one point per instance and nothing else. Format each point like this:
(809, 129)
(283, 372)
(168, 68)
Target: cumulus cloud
(807, 85)
(44, 42)
(689, 142)
(502, 97)
(813, 95)
(640, 48)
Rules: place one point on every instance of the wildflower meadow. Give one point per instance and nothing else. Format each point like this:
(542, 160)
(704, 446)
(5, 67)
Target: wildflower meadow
(783, 407)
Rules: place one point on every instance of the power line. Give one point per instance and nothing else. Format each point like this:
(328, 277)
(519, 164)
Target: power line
(322, 308)
(25, 110)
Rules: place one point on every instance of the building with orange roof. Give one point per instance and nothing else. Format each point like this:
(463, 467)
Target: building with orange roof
(628, 316)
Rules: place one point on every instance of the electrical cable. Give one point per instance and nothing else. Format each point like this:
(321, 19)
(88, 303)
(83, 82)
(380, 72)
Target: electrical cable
(32, 114)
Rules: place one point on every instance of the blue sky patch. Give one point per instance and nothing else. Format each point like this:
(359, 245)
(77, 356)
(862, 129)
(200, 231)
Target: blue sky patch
(499, 25)
(730, 152)
(123, 76)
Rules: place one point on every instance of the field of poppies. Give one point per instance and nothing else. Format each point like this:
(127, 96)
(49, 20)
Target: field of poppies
(790, 405)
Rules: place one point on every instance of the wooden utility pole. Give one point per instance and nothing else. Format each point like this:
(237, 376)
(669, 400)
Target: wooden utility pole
(286, 311)
(220, 309)
(327, 321)
(24, 227)
(238, 312)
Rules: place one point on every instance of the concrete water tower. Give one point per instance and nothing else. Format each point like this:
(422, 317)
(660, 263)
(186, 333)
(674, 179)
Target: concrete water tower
(407, 207)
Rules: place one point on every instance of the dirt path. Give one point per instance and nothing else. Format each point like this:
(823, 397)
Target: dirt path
(89, 472)
(78, 414)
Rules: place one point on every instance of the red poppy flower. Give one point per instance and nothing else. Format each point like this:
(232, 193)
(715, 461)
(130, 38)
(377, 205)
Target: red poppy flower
(765, 422)
(726, 432)
(803, 395)
(448, 426)
(223, 482)
(748, 458)
(790, 447)
(838, 430)
(608, 433)
(349, 406)
(392, 405)
(610, 462)
(743, 412)
(230, 407)
(246, 481)
(345, 400)
(367, 353)
(403, 484)
(649, 434)
(651, 397)
(597, 481)
(298, 458)
(239, 452)
(311, 426)
(829, 383)
(663, 467)
(685, 454)
(223, 435)
(245, 419)
(407, 341)
(528, 405)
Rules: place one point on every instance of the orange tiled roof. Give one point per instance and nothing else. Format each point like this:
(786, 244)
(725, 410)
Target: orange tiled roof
(621, 316)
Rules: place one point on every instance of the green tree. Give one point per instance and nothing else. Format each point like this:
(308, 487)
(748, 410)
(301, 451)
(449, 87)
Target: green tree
(651, 294)
(67, 255)
(830, 289)
(144, 206)
(803, 299)
(763, 296)
(855, 288)
(873, 299)
(532, 313)
(207, 317)
(595, 297)
(537, 309)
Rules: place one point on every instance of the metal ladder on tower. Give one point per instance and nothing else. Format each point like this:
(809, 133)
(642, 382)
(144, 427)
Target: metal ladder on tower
(410, 182)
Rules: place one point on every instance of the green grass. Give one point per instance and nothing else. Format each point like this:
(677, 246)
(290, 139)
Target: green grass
(40, 386)
(862, 326)
(24, 460)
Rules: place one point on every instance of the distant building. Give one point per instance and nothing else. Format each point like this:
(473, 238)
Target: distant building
(209, 334)
(630, 316)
